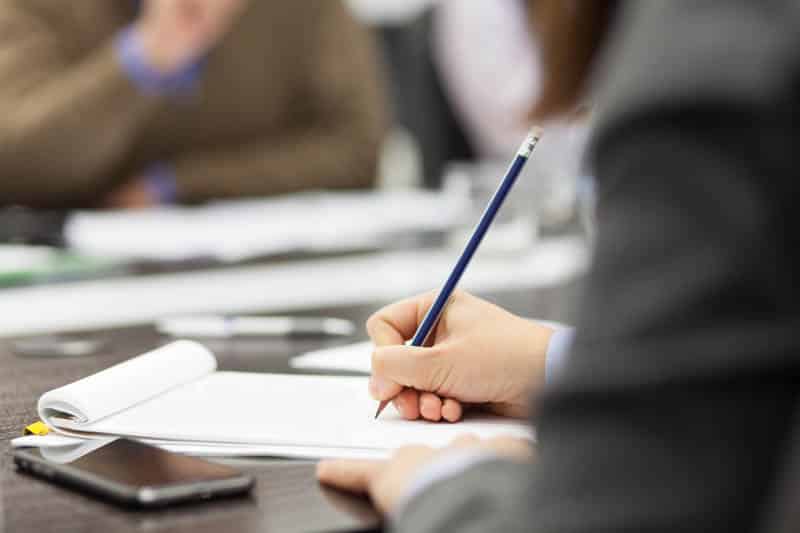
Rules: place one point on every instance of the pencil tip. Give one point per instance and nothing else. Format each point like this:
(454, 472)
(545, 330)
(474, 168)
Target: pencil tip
(537, 132)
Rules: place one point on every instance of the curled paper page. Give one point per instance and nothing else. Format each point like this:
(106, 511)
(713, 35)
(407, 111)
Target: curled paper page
(125, 385)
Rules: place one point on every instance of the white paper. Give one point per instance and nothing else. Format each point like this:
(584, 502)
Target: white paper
(121, 386)
(15, 258)
(63, 446)
(293, 452)
(309, 414)
(349, 358)
(242, 229)
(282, 287)
(52, 440)
(67, 454)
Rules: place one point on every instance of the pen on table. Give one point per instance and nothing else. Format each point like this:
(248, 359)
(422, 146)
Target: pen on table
(428, 324)
(213, 326)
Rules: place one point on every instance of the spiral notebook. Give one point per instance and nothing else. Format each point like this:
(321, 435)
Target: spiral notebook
(174, 397)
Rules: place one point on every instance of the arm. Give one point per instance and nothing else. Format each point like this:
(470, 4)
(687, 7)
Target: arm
(452, 465)
(483, 498)
(673, 407)
(69, 122)
(65, 124)
(333, 144)
(675, 401)
(676, 429)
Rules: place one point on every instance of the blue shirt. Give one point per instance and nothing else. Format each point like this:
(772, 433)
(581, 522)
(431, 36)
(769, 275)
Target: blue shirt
(159, 177)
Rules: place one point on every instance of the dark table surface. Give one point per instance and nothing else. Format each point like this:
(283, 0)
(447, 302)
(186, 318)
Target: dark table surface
(287, 496)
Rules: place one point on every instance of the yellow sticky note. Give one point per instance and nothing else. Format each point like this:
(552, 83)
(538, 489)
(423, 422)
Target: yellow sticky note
(37, 428)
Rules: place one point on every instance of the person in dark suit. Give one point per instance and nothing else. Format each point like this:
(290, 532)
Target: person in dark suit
(673, 405)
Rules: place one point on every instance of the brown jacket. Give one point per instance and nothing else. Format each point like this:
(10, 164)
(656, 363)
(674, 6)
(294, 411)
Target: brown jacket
(290, 99)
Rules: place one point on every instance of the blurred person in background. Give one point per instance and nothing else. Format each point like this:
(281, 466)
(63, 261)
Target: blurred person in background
(488, 60)
(672, 408)
(130, 103)
(475, 45)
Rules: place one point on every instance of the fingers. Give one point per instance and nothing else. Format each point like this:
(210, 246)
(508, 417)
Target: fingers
(410, 366)
(397, 368)
(396, 323)
(452, 410)
(434, 408)
(383, 389)
(350, 475)
(430, 406)
(407, 404)
(382, 332)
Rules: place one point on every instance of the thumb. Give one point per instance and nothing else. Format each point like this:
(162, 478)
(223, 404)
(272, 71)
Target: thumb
(394, 367)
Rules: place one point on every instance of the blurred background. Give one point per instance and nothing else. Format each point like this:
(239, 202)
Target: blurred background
(320, 155)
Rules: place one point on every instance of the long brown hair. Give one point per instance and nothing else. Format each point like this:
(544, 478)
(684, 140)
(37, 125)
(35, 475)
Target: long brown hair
(570, 33)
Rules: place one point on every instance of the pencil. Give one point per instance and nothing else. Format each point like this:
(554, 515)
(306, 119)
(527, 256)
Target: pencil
(428, 324)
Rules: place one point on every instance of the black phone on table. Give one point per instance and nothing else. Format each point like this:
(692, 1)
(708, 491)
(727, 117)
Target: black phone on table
(136, 474)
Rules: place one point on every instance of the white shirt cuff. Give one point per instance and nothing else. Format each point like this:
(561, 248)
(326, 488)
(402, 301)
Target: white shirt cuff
(557, 350)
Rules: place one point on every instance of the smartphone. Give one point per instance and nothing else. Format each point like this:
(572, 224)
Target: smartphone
(135, 474)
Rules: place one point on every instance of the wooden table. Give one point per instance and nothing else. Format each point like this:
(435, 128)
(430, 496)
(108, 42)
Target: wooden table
(287, 496)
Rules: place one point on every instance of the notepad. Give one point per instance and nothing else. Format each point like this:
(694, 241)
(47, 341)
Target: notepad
(176, 398)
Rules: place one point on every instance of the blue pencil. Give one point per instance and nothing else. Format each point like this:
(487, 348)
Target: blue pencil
(428, 324)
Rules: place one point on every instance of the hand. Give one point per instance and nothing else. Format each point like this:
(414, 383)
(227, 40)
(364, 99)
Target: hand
(386, 482)
(174, 32)
(480, 354)
(133, 194)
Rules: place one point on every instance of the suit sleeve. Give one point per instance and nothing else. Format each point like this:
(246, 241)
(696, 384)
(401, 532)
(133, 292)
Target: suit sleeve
(673, 409)
(335, 143)
(66, 123)
(483, 498)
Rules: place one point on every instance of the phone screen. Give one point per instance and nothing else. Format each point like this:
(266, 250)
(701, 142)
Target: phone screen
(130, 463)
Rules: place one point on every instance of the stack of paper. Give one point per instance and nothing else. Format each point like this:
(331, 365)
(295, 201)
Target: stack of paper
(237, 230)
(22, 264)
(278, 288)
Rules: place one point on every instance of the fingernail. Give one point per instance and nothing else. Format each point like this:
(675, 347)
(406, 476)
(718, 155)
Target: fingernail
(379, 387)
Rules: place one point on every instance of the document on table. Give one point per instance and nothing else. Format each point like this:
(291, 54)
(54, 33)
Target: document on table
(282, 287)
(231, 231)
(174, 397)
(24, 264)
(349, 358)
